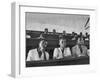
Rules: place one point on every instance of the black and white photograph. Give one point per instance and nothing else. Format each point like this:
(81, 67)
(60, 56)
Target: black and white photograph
(55, 39)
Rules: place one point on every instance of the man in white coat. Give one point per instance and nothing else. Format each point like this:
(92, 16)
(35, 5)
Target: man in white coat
(62, 51)
(39, 53)
(80, 49)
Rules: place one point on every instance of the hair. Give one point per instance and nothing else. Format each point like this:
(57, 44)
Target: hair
(61, 39)
(81, 39)
(39, 52)
(40, 43)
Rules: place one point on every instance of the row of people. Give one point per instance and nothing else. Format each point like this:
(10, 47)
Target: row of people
(73, 34)
(86, 36)
(40, 53)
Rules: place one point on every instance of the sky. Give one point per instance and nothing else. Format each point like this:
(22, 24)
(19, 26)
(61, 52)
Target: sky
(68, 22)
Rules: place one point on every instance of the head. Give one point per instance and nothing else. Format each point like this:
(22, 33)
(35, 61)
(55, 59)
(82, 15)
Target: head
(80, 41)
(54, 31)
(64, 32)
(86, 34)
(43, 44)
(81, 34)
(62, 42)
(73, 33)
(46, 30)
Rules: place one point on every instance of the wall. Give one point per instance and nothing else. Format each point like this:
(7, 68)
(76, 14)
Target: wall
(5, 39)
(69, 23)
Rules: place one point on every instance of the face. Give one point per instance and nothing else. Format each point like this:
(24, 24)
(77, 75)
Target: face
(80, 41)
(43, 44)
(46, 30)
(62, 43)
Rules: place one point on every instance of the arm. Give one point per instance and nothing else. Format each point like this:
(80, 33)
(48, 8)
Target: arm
(73, 52)
(68, 52)
(29, 56)
(87, 52)
(47, 57)
(55, 53)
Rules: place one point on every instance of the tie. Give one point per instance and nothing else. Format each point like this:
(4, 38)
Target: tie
(62, 52)
(39, 52)
(80, 49)
(44, 56)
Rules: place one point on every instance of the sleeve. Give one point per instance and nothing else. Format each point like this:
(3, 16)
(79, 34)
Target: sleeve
(73, 51)
(47, 56)
(55, 53)
(87, 52)
(68, 53)
(29, 56)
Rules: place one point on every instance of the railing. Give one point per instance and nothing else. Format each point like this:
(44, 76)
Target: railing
(65, 61)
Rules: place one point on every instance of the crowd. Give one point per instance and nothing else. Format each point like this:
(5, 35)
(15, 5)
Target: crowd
(78, 50)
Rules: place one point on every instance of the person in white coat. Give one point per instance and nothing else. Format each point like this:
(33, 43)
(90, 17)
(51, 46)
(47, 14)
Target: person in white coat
(62, 51)
(80, 49)
(39, 53)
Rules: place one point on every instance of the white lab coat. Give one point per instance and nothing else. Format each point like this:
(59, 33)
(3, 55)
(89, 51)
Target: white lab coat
(76, 51)
(58, 53)
(34, 56)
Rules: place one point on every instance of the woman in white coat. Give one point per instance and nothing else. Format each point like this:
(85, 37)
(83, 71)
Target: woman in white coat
(62, 51)
(39, 53)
